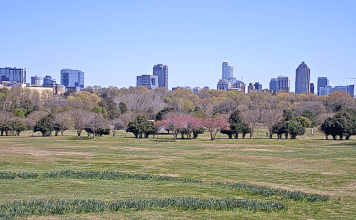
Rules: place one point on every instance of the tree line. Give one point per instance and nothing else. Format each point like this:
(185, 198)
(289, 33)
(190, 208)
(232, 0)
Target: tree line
(100, 111)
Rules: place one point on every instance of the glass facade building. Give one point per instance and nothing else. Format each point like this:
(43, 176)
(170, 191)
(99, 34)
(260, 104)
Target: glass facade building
(280, 83)
(36, 81)
(151, 81)
(322, 82)
(162, 72)
(258, 86)
(13, 75)
(227, 71)
(302, 79)
(72, 79)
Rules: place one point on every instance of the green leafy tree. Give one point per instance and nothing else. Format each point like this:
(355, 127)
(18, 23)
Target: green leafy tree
(310, 115)
(122, 108)
(45, 125)
(343, 124)
(289, 126)
(294, 128)
(18, 126)
(110, 107)
(305, 122)
(237, 126)
(140, 127)
(19, 113)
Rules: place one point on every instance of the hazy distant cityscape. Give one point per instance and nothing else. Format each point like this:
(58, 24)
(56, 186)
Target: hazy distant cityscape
(74, 79)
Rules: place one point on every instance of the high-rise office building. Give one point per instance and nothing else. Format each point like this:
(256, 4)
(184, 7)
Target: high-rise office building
(72, 79)
(283, 83)
(302, 79)
(322, 82)
(273, 85)
(13, 75)
(311, 88)
(150, 81)
(258, 86)
(280, 83)
(36, 81)
(227, 71)
(162, 72)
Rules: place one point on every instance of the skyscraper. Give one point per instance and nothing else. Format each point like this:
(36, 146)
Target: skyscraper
(258, 86)
(302, 79)
(227, 71)
(72, 79)
(150, 81)
(280, 83)
(273, 85)
(322, 82)
(14, 75)
(283, 83)
(162, 72)
(311, 88)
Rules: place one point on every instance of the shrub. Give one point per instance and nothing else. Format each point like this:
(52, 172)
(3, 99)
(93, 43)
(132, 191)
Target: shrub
(24, 208)
(7, 175)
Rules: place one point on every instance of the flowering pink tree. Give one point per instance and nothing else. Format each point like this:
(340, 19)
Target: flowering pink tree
(195, 126)
(184, 124)
(215, 124)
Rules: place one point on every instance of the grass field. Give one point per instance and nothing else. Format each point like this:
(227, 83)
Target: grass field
(309, 164)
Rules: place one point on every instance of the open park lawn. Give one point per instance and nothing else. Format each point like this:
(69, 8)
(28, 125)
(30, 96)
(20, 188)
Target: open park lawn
(309, 164)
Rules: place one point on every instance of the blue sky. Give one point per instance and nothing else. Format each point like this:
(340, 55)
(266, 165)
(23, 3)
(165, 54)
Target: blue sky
(114, 41)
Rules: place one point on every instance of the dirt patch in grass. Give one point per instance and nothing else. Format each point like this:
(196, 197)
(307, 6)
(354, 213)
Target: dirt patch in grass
(39, 152)
(169, 174)
(135, 149)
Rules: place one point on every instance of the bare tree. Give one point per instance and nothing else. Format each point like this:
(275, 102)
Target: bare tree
(252, 118)
(207, 106)
(63, 121)
(115, 125)
(33, 118)
(322, 117)
(4, 118)
(80, 119)
(270, 117)
(124, 120)
(95, 122)
(227, 106)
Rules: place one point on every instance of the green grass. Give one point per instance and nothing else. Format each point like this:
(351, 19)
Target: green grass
(309, 164)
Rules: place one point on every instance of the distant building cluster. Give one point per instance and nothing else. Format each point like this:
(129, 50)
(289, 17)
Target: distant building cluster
(74, 79)
(227, 81)
(158, 79)
(325, 89)
(16, 77)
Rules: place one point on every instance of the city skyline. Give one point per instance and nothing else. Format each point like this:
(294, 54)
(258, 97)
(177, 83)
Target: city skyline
(262, 41)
